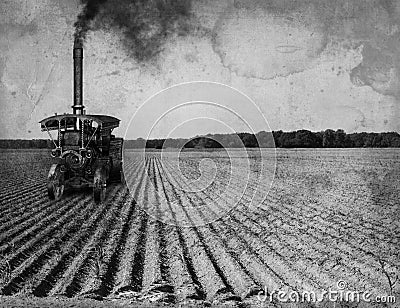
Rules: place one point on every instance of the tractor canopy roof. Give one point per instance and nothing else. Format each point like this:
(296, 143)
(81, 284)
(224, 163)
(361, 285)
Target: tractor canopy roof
(69, 120)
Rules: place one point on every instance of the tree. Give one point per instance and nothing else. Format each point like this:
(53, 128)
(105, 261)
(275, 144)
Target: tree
(265, 140)
(328, 139)
(306, 139)
(250, 141)
(340, 137)
(277, 138)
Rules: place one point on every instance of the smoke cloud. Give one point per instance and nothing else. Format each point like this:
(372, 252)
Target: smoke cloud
(143, 25)
(89, 12)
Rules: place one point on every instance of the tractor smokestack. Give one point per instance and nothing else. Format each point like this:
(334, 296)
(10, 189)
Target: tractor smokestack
(78, 77)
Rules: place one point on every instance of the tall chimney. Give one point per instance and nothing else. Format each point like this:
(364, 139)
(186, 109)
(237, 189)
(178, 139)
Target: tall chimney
(78, 77)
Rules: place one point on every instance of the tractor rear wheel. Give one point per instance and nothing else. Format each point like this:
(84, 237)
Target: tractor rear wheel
(99, 185)
(55, 182)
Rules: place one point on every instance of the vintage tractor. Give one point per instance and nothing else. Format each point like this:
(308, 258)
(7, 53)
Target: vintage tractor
(86, 152)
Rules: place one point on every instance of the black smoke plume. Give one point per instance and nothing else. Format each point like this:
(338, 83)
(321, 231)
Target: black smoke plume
(89, 12)
(142, 25)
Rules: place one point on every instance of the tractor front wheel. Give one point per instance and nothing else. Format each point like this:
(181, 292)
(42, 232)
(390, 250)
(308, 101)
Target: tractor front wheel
(55, 182)
(99, 185)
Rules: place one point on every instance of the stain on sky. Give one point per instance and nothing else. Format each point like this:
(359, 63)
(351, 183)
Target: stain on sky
(143, 25)
(304, 28)
(280, 43)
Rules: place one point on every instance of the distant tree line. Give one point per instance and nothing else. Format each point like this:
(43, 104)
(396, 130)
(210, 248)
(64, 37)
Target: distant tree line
(296, 139)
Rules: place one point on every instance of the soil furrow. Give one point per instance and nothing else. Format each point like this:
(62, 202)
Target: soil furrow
(109, 278)
(20, 249)
(30, 220)
(62, 260)
(123, 278)
(234, 271)
(209, 273)
(28, 261)
(156, 280)
(32, 273)
(182, 272)
(35, 189)
(15, 216)
(90, 257)
(108, 242)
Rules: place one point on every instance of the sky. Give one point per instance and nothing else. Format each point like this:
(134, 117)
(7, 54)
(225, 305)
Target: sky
(306, 64)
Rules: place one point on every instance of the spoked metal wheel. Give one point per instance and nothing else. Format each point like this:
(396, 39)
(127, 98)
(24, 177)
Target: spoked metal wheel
(99, 185)
(55, 182)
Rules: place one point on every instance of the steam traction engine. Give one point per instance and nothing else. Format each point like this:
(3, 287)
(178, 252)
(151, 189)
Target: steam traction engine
(86, 153)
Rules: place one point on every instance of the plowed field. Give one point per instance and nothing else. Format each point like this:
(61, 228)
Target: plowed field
(329, 216)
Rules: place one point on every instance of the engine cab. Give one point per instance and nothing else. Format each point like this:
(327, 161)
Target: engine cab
(83, 145)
